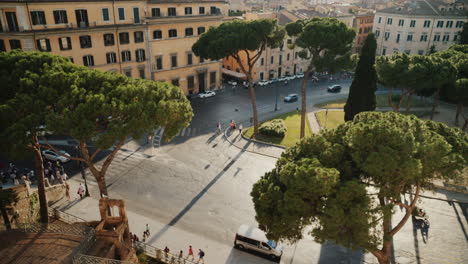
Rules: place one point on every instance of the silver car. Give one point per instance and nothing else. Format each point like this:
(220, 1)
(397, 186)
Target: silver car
(54, 156)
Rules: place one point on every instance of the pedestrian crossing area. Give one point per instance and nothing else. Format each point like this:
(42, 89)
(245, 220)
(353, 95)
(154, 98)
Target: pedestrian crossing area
(188, 132)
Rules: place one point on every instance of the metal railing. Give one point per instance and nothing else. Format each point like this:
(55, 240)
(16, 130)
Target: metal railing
(65, 217)
(159, 254)
(86, 259)
(61, 228)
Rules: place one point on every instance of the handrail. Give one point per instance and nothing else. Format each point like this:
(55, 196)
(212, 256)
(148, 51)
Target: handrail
(65, 217)
(159, 254)
(81, 258)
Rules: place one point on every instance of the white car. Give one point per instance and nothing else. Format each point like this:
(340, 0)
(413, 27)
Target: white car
(206, 94)
(282, 79)
(290, 77)
(300, 75)
(263, 83)
(233, 83)
(54, 156)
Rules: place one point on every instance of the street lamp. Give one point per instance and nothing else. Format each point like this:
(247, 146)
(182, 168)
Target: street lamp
(276, 99)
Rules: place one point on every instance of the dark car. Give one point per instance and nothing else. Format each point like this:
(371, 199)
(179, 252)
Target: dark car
(291, 98)
(334, 88)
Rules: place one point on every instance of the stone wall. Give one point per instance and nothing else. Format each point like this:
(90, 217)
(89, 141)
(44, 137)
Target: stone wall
(27, 207)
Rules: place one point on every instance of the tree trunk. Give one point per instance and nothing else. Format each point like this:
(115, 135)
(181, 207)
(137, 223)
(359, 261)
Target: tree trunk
(408, 103)
(6, 220)
(465, 125)
(40, 181)
(434, 104)
(304, 103)
(254, 104)
(101, 180)
(457, 114)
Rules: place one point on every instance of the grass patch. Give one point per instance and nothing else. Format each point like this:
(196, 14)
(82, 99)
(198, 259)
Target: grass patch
(293, 123)
(330, 119)
(381, 99)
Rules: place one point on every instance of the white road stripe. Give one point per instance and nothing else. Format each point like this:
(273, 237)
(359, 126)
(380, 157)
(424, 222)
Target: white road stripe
(194, 131)
(183, 132)
(188, 131)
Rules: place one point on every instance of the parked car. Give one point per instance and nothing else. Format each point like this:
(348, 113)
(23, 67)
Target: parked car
(334, 88)
(54, 156)
(300, 75)
(253, 239)
(274, 80)
(233, 83)
(263, 83)
(290, 98)
(282, 79)
(206, 94)
(290, 77)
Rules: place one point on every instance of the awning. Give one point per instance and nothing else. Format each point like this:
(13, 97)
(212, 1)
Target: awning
(233, 73)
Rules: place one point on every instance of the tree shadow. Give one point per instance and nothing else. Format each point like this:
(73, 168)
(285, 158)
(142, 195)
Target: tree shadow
(333, 253)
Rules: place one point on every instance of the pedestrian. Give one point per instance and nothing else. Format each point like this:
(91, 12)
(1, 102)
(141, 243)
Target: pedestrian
(201, 254)
(240, 128)
(135, 238)
(67, 191)
(218, 126)
(166, 251)
(144, 236)
(181, 254)
(64, 176)
(147, 230)
(233, 125)
(190, 252)
(81, 191)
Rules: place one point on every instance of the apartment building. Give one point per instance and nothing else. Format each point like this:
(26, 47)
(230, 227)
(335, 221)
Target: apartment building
(273, 63)
(149, 39)
(363, 25)
(416, 26)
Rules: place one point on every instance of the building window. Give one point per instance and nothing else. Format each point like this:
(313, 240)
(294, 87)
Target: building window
(111, 57)
(141, 71)
(2, 45)
(420, 52)
(159, 64)
(295, 55)
(82, 17)
(126, 56)
(60, 17)
(38, 18)
(138, 36)
(449, 24)
(188, 10)
(440, 24)
(377, 33)
(124, 38)
(380, 20)
(201, 10)
(446, 37)
(412, 23)
(459, 24)
(287, 57)
(43, 44)
(157, 34)
(436, 37)
(15, 44)
(65, 43)
(175, 82)
(384, 51)
(171, 11)
(387, 35)
(105, 14)
(213, 10)
(85, 42)
(261, 76)
(455, 37)
(280, 61)
(262, 61)
(189, 59)
(389, 21)
(136, 15)
(272, 59)
(189, 32)
(121, 13)
(398, 38)
(173, 61)
(427, 23)
(88, 60)
(190, 82)
(155, 12)
(423, 38)
(172, 33)
(140, 55)
(128, 72)
(401, 22)
(409, 37)
(109, 39)
(201, 30)
(408, 52)
(202, 60)
(12, 22)
(213, 78)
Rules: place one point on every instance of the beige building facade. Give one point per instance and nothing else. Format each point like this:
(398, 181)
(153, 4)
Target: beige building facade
(415, 27)
(142, 39)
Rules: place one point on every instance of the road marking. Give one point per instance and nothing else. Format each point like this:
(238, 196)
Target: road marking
(188, 131)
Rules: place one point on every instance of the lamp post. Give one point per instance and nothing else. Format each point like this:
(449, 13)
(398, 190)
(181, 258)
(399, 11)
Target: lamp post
(276, 99)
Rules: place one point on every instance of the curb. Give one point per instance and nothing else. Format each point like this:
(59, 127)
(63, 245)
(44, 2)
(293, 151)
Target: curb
(261, 142)
(255, 152)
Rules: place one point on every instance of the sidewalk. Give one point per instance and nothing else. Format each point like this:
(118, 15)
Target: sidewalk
(265, 149)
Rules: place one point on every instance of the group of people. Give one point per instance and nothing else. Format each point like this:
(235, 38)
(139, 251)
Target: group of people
(14, 174)
(54, 172)
(201, 254)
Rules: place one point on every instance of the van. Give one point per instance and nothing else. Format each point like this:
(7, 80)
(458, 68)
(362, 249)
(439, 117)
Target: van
(254, 239)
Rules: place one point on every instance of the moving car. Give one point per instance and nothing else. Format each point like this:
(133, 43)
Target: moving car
(334, 88)
(291, 98)
(206, 94)
(263, 83)
(233, 83)
(254, 239)
(54, 156)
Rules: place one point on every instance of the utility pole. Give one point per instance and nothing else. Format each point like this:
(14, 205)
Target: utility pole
(276, 100)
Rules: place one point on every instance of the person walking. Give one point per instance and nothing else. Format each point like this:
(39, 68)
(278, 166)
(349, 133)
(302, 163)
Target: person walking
(190, 253)
(147, 230)
(201, 255)
(218, 127)
(67, 191)
(181, 254)
(81, 191)
(240, 128)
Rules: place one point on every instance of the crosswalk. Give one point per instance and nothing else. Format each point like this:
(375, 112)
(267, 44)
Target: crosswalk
(187, 132)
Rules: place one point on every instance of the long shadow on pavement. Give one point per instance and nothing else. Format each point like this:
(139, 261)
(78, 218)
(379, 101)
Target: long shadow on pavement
(197, 197)
(332, 253)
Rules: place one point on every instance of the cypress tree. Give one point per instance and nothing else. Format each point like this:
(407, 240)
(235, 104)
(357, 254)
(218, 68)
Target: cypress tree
(361, 96)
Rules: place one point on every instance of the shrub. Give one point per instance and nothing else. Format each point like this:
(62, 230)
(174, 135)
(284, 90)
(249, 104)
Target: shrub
(275, 127)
